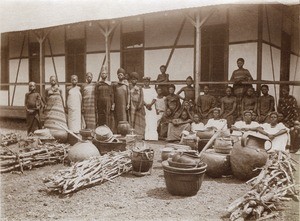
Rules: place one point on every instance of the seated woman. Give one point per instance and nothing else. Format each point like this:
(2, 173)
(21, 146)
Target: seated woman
(196, 126)
(163, 125)
(276, 132)
(181, 122)
(216, 123)
(247, 125)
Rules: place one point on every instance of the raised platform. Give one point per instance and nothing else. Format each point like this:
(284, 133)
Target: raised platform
(16, 112)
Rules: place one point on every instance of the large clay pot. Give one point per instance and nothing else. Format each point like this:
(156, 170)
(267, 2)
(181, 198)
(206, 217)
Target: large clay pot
(218, 164)
(82, 151)
(142, 160)
(205, 134)
(60, 135)
(245, 158)
(123, 128)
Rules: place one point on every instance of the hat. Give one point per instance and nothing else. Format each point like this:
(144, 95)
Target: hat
(217, 109)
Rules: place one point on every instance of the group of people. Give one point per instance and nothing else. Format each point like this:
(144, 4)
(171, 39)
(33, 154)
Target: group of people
(157, 111)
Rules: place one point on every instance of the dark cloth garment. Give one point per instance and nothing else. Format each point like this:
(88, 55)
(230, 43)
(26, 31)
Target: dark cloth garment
(88, 105)
(189, 93)
(204, 104)
(137, 110)
(162, 128)
(287, 106)
(121, 93)
(174, 131)
(249, 103)
(104, 100)
(265, 106)
(165, 88)
(33, 103)
(228, 105)
(173, 103)
(240, 75)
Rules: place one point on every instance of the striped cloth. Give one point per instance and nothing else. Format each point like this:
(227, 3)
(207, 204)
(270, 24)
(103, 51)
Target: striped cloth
(88, 95)
(54, 112)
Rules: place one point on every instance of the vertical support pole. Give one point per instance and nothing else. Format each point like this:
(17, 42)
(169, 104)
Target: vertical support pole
(41, 66)
(259, 45)
(107, 51)
(198, 55)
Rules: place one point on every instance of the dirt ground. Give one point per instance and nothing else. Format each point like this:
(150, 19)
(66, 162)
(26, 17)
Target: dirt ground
(23, 196)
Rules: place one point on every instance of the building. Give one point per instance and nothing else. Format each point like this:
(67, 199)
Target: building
(203, 42)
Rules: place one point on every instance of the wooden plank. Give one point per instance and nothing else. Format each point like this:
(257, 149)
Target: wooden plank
(175, 42)
(18, 70)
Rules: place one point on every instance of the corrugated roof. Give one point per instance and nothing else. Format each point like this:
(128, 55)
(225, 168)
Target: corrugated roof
(17, 15)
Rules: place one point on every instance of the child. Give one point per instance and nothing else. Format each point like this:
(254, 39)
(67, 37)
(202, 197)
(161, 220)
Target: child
(74, 102)
(189, 90)
(197, 125)
(249, 102)
(162, 78)
(160, 104)
(265, 104)
(205, 105)
(164, 124)
(33, 104)
(228, 106)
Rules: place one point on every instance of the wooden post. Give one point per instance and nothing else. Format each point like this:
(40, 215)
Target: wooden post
(198, 56)
(259, 44)
(198, 24)
(107, 33)
(41, 66)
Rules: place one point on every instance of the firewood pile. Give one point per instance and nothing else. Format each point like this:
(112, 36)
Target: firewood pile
(9, 138)
(93, 171)
(32, 156)
(274, 184)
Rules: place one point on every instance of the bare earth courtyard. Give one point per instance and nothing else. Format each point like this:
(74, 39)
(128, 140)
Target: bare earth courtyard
(23, 196)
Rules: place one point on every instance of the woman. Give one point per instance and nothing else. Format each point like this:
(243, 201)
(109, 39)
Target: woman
(88, 104)
(137, 111)
(238, 76)
(54, 110)
(163, 125)
(205, 105)
(105, 102)
(173, 100)
(287, 106)
(265, 104)
(276, 132)
(247, 125)
(121, 98)
(74, 102)
(228, 107)
(249, 102)
(180, 123)
(216, 123)
(150, 117)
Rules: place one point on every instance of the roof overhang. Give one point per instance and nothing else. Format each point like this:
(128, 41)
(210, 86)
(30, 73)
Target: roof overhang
(18, 15)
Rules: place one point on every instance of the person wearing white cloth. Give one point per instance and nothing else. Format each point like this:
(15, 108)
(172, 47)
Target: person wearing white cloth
(276, 132)
(216, 123)
(247, 125)
(150, 117)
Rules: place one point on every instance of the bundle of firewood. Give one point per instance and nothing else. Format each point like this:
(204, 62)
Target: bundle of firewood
(29, 157)
(95, 170)
(9, 138)
(274, 184)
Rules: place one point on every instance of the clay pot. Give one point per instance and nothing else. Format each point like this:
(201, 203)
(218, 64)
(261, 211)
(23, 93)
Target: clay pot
(223, 145)
(218, 164)
(244, 158)
(142, 160)
(205, 134)
(123, 128)
(82, 151)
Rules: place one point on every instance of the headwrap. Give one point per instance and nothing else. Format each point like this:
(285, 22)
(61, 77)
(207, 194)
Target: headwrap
(217, 109)
(134, 75)
(248, 111)
(121, 70)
